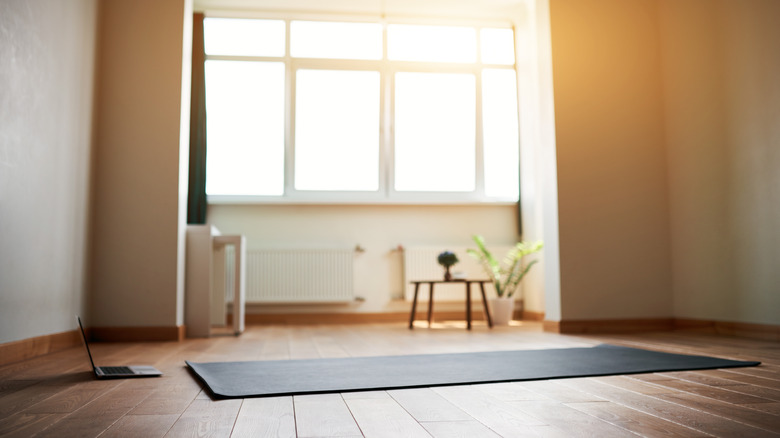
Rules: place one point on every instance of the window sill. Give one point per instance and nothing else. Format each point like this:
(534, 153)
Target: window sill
(358, 199)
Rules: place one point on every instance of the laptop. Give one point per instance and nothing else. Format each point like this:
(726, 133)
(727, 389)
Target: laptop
(119, 372)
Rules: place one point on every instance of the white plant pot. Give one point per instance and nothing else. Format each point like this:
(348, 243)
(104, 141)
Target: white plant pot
(501, 310)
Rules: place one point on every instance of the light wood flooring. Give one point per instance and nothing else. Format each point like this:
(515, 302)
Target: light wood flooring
(56, 395)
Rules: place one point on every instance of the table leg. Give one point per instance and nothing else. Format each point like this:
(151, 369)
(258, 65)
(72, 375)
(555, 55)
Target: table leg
(430, 305)
(468, 305)
(485, 305)
(414, 305)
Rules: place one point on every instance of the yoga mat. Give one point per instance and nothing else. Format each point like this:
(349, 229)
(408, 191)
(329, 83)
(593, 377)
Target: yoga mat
(313, 376)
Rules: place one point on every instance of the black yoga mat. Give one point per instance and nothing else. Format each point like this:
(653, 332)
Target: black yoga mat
(313, 376)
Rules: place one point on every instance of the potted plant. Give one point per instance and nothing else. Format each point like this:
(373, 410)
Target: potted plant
(505, 274)
(447, 259)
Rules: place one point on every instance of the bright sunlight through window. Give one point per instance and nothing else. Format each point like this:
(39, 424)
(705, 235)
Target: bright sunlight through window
(434, 132)
(498, 46)
(318, 39)
(431, 43)
(500, 133)
(245, 128)
(337, 130)
(242, 37)
(306, 110)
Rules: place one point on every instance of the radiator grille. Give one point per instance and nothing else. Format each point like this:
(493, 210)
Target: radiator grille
(300, 275)
(420, 263)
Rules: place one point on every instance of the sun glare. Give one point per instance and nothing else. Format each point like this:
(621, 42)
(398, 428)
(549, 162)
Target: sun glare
(407, 42)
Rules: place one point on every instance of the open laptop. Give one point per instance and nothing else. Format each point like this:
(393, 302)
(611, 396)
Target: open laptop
(118, 372)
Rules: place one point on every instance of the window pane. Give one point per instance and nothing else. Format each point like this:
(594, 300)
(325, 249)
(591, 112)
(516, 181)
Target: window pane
(319, 39)
(500, 132)
(244, 37)
(434, 132)
(337, 130)
(498, 46)
(245, 128)
(431, 43)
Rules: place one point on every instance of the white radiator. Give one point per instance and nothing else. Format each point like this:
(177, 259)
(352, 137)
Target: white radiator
(300, 275)
(420, 263)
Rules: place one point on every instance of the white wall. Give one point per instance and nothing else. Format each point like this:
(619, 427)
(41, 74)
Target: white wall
(721, 70)
(377, 228)
(538, 160)
(46, 72)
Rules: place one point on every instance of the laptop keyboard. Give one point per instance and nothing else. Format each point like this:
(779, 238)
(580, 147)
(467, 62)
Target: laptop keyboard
(112, 371)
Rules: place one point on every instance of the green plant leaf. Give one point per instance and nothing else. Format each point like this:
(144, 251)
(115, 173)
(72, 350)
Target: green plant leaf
(507, 274)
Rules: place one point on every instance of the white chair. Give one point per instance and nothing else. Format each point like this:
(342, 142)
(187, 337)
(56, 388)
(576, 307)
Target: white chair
(206, 280)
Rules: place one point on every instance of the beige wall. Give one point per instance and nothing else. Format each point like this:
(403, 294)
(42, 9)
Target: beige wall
(46, 71)
(612, 177)
(137, 219)
(667, 134)
(721, 69)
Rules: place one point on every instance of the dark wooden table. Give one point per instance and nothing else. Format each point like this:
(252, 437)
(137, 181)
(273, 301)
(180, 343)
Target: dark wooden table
(467, 282)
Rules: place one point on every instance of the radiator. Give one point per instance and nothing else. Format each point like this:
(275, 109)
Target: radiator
(420, 263)
(300, 275)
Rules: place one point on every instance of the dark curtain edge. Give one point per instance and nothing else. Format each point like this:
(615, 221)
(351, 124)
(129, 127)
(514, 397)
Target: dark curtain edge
(196, 195)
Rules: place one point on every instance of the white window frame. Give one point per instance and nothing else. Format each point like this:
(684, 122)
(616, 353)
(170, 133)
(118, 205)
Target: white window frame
(386, 194)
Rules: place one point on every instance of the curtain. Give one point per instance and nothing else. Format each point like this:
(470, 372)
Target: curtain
(519, 210)
(196, 196)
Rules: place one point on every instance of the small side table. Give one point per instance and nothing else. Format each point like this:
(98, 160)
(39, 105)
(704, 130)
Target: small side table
(467, 282)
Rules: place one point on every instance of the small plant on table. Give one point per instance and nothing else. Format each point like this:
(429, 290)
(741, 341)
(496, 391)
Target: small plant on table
(447, 259)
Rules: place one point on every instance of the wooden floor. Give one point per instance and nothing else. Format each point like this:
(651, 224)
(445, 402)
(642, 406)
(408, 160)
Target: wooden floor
(57, 396)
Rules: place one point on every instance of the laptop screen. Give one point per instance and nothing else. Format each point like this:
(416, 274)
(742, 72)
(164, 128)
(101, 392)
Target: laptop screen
(86, 344)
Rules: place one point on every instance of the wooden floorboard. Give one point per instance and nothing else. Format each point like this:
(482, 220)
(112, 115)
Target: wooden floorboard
(384, 418)
(500, 416)
(56, 395)
(206, 418)
(148, 426)
(266, 417)
(459, 429)
(324, 415)
(425, 405)
(634, 421)
(701, 420)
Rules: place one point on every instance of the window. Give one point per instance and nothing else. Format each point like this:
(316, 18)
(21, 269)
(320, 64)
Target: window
(337, 130)
(245, 131)
(321, 111)
(243, 37)
(322, 39)
(500, 137)
(434, 132)
(431, 43)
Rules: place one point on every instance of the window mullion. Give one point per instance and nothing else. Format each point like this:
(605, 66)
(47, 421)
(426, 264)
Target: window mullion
(390, 137)
(289, 119)
(385, 123)
(479, 159)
